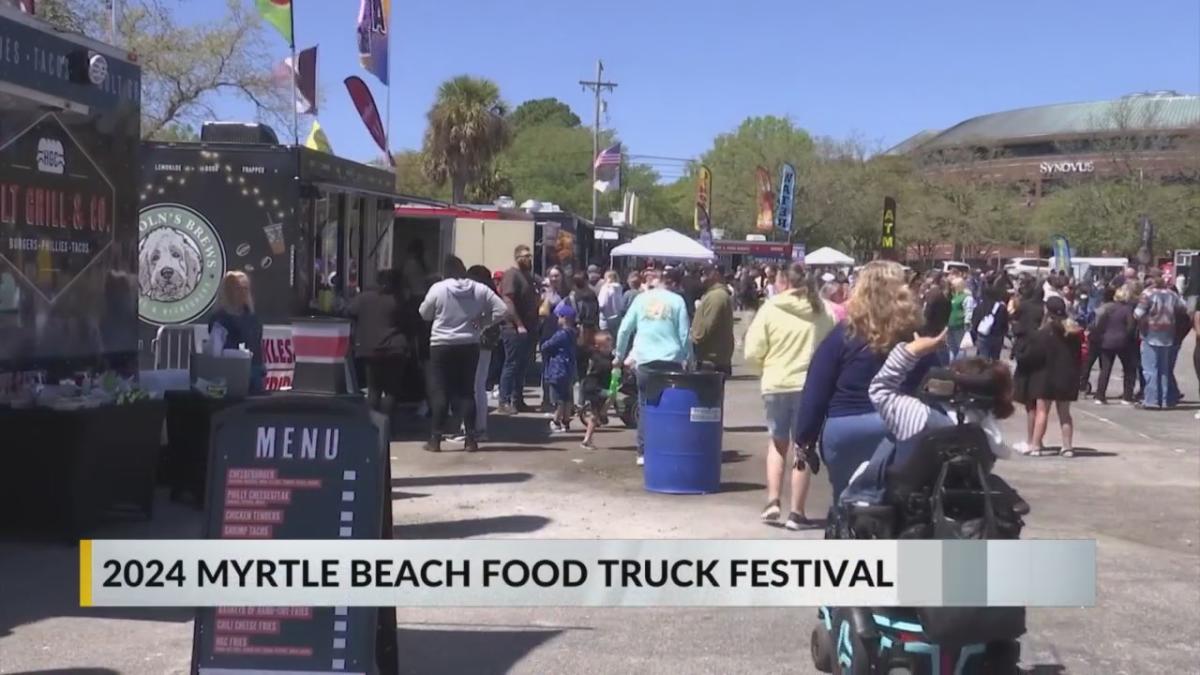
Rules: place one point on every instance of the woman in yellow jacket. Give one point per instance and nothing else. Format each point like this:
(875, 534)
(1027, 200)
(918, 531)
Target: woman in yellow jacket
(779, 344)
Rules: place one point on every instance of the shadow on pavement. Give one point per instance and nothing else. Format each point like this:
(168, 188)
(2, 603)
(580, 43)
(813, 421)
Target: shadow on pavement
(400, 494)
(741, 487)
(40, 580)
(68, 671)
(752, 429)
(473, 527)
(1045, 670)
(1083, 452)
(462, 479)
(490, 447)
(733, 456)
(482, 652)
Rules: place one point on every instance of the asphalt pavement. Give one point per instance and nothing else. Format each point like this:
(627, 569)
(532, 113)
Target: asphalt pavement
(1135, 489)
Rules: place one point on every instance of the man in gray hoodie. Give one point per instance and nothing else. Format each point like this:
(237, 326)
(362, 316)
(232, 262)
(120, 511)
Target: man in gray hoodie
(460, 310)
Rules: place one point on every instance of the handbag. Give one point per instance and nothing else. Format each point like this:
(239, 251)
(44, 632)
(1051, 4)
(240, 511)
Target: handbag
(986, 323)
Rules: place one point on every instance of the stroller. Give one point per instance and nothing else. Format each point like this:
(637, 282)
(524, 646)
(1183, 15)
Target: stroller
(937, 485)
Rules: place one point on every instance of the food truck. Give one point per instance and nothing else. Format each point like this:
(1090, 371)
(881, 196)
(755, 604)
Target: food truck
(78, 439)
(310, 229)
(479, 235)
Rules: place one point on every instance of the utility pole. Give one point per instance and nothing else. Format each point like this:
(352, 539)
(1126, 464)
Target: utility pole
(598, 86)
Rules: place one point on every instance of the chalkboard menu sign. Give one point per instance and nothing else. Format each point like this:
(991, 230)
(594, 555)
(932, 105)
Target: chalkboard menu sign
(296, 467)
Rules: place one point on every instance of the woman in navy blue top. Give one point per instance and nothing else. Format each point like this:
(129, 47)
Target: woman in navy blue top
(835, 408)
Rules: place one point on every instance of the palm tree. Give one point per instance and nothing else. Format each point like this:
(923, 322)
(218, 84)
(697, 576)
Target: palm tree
(467, 128)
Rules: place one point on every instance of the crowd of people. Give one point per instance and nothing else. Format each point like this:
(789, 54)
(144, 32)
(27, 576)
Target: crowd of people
(835, 351)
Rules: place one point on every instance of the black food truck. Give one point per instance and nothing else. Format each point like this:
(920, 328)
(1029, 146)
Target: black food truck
(76, 439)
(310, 229)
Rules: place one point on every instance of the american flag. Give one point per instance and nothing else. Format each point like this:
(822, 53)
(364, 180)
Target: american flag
(610, 156)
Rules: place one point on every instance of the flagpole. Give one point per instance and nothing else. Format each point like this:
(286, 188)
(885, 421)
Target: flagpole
(387, 136)
(292, 76)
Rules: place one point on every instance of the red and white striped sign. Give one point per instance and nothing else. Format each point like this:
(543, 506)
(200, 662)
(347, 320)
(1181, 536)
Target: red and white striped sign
(321, 342)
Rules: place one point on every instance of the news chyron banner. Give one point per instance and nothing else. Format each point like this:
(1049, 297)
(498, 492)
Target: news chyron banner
(588, 573)
(292, 468)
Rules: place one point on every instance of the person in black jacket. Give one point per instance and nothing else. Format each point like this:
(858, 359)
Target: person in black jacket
(380, 343)
(1051, 360)
(235, 323)
(1115, 334)
(988, 333)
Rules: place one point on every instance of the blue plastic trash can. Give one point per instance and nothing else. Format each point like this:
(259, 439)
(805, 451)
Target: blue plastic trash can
(682, 414)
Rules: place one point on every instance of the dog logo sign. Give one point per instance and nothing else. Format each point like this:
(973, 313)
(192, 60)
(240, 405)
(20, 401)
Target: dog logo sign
(180, 264)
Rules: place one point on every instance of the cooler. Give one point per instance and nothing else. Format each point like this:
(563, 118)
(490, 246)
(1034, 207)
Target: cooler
(321, 347)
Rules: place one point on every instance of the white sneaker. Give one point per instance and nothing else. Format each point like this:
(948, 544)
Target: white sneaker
(1197, 416)
(1022, 447)
(641, 461)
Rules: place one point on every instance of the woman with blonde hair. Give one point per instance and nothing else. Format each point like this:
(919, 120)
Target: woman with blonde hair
(835, 409)
(235, 324)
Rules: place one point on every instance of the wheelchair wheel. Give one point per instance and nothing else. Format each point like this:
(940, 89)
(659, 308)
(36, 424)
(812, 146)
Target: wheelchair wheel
(821, 646)
(629, 415)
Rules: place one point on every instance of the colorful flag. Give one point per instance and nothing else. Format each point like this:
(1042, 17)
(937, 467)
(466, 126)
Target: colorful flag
(373, 19)
(608, 169)
(1062, 253)
(702, 219)
(303, 78)
(317, 140)
(787, 193)
(278, 13)
(766, 200)
(364, 102)
(887, 238)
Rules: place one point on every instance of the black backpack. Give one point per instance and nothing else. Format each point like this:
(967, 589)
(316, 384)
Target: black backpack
(587, 310)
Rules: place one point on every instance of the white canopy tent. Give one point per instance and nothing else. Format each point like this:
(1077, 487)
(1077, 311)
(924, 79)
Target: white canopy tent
(664, 244)
(828, 256)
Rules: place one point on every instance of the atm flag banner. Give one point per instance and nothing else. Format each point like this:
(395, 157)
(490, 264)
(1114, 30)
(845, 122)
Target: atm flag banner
(278, 13)
(373, 18)
(887, 237)
(703, 216)
(364, 102)
(766, 200)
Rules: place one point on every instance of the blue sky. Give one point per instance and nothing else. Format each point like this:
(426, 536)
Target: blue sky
(690, 69)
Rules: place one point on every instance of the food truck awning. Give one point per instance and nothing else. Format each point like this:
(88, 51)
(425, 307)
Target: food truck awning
(324, 169)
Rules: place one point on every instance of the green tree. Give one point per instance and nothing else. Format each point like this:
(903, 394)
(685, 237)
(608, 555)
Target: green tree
(542, 111)
(411, 179)
(467, 130)
(186, 66)
(551, 163)
(759, 141)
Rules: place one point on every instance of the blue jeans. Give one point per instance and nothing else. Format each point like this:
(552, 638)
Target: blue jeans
(846, 443)
(517, 351)
(989, 347)
(954, 341)
(1161, 390)
(641, 373)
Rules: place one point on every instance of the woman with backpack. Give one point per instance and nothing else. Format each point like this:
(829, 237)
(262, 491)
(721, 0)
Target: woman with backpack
(989, 324)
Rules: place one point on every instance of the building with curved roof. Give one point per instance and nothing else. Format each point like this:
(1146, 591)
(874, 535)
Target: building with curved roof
(1157, 133)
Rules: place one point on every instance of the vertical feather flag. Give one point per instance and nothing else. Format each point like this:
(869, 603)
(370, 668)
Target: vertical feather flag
(787, 193)
(766, 200)
(373, 18)
(278, 13)
(1062, 253)
(887, 237)
(702, 220)
(364, 102)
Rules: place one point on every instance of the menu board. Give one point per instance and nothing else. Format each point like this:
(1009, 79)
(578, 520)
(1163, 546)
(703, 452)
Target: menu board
(295, 467)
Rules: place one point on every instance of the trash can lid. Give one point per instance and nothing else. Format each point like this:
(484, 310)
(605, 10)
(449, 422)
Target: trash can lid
(708, 386)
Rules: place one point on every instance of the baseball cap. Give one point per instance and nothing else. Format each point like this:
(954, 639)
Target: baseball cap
(593, 268)
(564, 311)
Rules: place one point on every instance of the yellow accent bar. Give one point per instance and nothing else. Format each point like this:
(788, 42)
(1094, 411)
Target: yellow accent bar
(85, 573)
